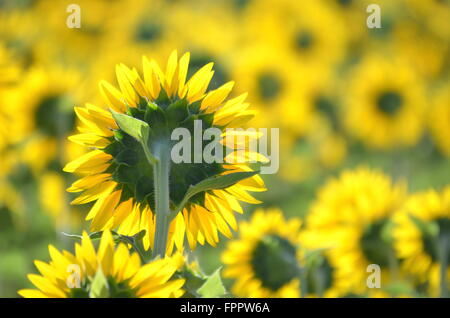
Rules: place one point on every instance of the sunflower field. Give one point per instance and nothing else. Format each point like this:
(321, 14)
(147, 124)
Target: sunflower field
(93, 203)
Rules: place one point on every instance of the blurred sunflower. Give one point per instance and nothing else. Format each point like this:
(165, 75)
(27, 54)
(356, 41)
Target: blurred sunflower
(76, 44)
(118, 176)
(310, 31)
(272, 88)
(264, 261)
(142, 26)
(351, 216)
(352, 14)
(18, 33)
(439, 120)
(435, 15)
(316, 134)
(207, 18)
(313, 32)
(109, 272)
(41, 135)
(429, 58)
(384, 104)
(422, 236)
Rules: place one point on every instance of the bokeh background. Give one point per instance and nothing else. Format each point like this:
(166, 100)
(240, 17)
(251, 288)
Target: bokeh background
(343, 95)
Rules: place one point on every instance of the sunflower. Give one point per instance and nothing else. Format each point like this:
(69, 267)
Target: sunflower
(422, 229)
(351, 218)
(207, 18)
(79, 44)
(76, 275)
(45, 99)
(118, 176)
(273, 90)
(429, 58)
(310, 31)
(434, 14)
(439, 120)
(387, 108)
(264, 260)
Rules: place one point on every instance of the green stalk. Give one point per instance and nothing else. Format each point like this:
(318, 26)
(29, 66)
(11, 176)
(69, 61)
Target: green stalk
(161, 170)
(443, 253)
(303, 282)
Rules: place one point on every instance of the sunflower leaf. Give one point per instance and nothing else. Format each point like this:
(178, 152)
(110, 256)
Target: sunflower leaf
(214, 183)
(213, 286)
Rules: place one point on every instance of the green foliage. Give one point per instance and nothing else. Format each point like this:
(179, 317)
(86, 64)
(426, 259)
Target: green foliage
(214, 183)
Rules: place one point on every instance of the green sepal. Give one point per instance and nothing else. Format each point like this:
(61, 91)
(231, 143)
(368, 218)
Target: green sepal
(144, 186)
(430, 229)
(213, 286)
(127, 157)
(134, 127)
(177, 112)
(99, 285)
(125, 174)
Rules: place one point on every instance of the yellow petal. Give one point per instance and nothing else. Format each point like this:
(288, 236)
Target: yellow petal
(214, 99)
(106, 252)
(95, 192)
(90, 160)
(88, 182)
(90, 140)
(105, 212)
(171, 80)
(151, 78)
(31, 293)
(113, 96)
(46, 286)
(182, 73)
(123, 74)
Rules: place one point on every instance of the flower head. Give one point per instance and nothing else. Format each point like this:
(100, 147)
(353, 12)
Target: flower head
(387, 108)
(351, 218)
(264, 260)
(108, 272)
(118, 176)
(422, 227)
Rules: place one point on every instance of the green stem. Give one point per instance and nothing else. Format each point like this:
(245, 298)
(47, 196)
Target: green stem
(161, 170)
(443, 252)
(303, 282)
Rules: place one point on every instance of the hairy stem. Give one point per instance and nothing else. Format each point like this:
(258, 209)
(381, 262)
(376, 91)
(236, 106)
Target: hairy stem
(161, 170)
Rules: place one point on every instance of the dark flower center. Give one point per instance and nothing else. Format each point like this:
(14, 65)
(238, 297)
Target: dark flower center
(374, 247)
(269, 86)
(345, 3)
(431, 244)
(148, 31)
(389, 102)
(274, 262)
(52, 117)
(304, 40)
